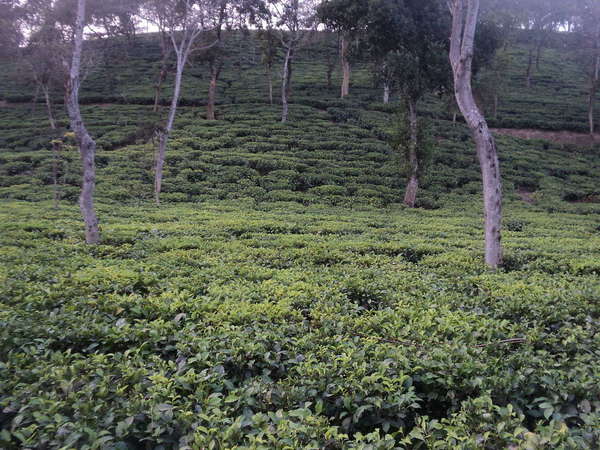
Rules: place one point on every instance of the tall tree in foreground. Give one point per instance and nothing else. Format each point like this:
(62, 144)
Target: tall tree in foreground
(183, 22)
(87, 146)
(464, 25)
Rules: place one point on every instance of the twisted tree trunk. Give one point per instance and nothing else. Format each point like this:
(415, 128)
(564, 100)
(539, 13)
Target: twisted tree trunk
(87, 146)
(464, 24)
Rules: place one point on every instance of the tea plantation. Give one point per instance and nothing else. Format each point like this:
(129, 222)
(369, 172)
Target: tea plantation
(280, 296)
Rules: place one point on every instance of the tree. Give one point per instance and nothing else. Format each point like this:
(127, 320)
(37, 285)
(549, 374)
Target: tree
(11, 34)
(43, 58)
(539, 18)
(183, 21)
(87, 146)
(588, 43)
(261, 15)
(217, 15)
(410, 36)
(295, 20)
(347, 18)
(464, 25)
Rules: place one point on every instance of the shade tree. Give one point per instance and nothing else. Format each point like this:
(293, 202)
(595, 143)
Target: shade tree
(462, 40)
(295, 21)
(346, 17)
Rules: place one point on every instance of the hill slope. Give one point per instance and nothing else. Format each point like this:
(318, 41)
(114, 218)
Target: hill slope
(280, 298)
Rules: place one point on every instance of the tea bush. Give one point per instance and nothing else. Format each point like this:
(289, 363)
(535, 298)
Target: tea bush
(220, 325)
(280, 297)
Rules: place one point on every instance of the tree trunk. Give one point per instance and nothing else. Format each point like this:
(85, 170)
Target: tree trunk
(386, 93)
(454, 118)
(269, 74)
(495, 106)
(212, 92)
(158, 87)
(215, 71)
(592, 95)
(464, 24)
(87, 146)
(538, 56)
(529, 68)
(164, 135)
(49, 108)
(285, 84)
(35, 98)
(55, 160)
(345, 67)
(410, 196)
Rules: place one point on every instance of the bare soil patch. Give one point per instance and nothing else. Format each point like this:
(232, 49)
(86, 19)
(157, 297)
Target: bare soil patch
(559, 137)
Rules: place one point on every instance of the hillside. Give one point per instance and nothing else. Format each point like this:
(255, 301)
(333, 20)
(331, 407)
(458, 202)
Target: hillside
(280, 297)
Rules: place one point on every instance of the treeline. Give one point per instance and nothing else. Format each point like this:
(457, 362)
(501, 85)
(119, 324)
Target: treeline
(406, 43)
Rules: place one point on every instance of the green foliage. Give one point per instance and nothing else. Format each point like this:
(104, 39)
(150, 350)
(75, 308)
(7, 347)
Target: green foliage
(400, 140)
(279, 298)
(234, 324)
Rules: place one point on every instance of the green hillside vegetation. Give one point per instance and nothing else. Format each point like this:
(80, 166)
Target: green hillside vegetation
(281, 297)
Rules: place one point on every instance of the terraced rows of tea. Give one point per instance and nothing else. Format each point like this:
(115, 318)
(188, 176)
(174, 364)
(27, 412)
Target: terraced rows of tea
(280, 296)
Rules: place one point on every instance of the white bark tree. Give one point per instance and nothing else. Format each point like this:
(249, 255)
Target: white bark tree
(87, 146)
(464, 24)
(296, 20)
(184, 22)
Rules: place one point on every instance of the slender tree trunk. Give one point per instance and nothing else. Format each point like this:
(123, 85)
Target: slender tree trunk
(269, 73)
(386, 93)
(529, 68)
(162, 76)
(410, 196)
(55, 161)
(592, 95)
(538, 56)
(285, 84)
(87, 146)
(35, 98)
(212, 91)
(345, 67)
(495, 106)
(454, 118)
(164, 135)
(49, 108)
(329, 73)
(464, 25)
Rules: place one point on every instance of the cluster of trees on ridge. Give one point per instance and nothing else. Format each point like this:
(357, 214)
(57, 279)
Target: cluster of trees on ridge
(416, 47)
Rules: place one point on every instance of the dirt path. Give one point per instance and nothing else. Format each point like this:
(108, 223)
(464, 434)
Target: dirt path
(559, 137)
